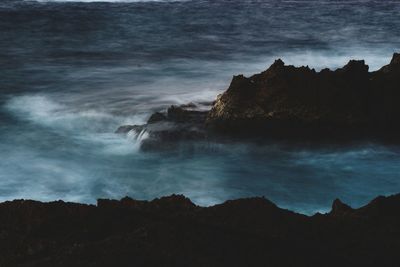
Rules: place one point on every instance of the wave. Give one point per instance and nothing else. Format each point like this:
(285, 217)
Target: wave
(43, 110)
(88, 126)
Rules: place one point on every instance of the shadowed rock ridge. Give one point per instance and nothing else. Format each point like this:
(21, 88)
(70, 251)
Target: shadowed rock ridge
(172, 231)
(288, 102)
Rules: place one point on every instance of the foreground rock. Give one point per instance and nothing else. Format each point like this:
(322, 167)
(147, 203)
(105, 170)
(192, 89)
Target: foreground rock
(291, 103)
(172, 231)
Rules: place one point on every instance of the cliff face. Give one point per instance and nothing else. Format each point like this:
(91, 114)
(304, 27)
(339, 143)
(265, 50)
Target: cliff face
(285, 98)
(172, 231)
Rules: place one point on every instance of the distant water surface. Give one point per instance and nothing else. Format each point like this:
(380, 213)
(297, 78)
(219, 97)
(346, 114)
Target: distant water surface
(71, 72)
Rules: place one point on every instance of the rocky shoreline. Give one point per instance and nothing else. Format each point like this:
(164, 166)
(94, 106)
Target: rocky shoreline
(289, 103)
(283, 102)
(172, 231)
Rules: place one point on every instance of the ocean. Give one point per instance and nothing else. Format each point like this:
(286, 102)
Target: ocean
(71, 72)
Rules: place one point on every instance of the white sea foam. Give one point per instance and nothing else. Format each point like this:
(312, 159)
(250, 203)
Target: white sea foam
(315, 59)
(43, 110)
(88, 126)
(319, 60)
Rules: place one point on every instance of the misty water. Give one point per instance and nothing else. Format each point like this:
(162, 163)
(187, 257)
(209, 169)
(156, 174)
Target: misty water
(71, 72)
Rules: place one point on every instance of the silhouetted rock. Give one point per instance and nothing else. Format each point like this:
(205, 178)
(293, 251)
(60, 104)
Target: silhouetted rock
(340, 209)
(300, 102)
(291, 103)
(172, 231)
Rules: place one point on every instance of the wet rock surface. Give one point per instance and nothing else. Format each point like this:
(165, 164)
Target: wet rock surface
(172, 231)
(178, 123)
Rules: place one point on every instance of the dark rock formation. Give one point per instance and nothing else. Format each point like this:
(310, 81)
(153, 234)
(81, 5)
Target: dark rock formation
(340, 208)
(291, 103)
(172, 231)
(179, 123)
(287, 101)
(157, 117)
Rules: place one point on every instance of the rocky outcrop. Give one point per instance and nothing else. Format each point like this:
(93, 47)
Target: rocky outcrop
(172, 231)
(178, 123)
(289, 101)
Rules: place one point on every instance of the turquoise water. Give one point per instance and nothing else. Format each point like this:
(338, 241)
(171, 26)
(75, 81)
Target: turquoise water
(72, 72)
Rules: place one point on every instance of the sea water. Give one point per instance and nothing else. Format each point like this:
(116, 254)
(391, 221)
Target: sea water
(71, 72)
